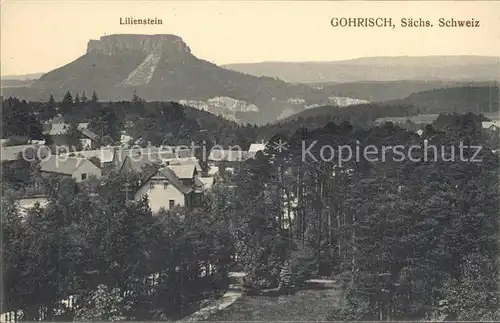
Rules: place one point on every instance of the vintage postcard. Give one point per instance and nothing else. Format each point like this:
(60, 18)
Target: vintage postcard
(250, 161)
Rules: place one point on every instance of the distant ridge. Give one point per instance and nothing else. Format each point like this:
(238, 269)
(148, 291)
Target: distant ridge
(384, 68)
(461, 99)
(21, 77)
(456, 59)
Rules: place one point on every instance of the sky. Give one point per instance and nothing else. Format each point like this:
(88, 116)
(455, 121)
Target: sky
(38, 36)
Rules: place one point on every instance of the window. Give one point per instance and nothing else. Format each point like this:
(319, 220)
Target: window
(171, 204)
(165, 185)
(84, 176)
(151, 185)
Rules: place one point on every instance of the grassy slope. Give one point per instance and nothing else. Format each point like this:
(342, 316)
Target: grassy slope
(305, 305)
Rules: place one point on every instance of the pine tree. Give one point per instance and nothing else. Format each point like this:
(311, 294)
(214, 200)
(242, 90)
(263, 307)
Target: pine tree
(135, 97)
(84, 98)
(49, 110)
(77, 99)
(51, 100)
(95, 99)
(73, 134)
(66, 105)
(67, 99)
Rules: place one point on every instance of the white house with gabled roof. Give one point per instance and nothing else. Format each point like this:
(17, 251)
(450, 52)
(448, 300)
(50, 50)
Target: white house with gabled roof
(174, 185)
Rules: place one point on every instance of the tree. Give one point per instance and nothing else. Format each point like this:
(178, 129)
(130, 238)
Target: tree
(104, 305)
(94, 99)
(260, 243)
(51, 100)
(135, 98)
(15, 291)
(84, 98)
(67, 105)
(19, 119)
(74, 134)
(105, 122)
(49, 110)
(19, 174)
(474, 296)
(67, 99)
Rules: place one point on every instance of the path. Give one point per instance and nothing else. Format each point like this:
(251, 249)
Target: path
(312, 302)
(234, 291)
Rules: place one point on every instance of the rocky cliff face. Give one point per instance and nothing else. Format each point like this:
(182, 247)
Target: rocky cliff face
(343, 102)
(155, 47)
(223, 106)
(171, 45)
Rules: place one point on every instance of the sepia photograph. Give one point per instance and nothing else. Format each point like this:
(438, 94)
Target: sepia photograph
(249, 161)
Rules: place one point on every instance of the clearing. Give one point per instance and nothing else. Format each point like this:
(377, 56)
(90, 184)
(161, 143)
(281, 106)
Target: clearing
(310, 303)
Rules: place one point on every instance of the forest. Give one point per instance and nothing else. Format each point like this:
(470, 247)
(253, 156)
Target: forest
(410, 240)
(407, 240)
(109, 256)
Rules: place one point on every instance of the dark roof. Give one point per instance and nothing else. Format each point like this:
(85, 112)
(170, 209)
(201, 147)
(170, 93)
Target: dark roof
(142, 156)
(135, 163)
(172, 178)
(119, 158)
(168, 174)
(134, 159)
(199, 185)
(90, 134)
(183, 171)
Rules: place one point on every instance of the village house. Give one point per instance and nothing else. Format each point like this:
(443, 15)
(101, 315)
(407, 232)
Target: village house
(80, 169)
(492, 128)
(226, 160)
(135, 159)
(29, 152)
(208, 183)
(58, 132)
(184, 161)
(175, 185)
(29, 202)
(491, 125)
(105, 155)
(89, 139)
(60, 128)
(255, 148)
